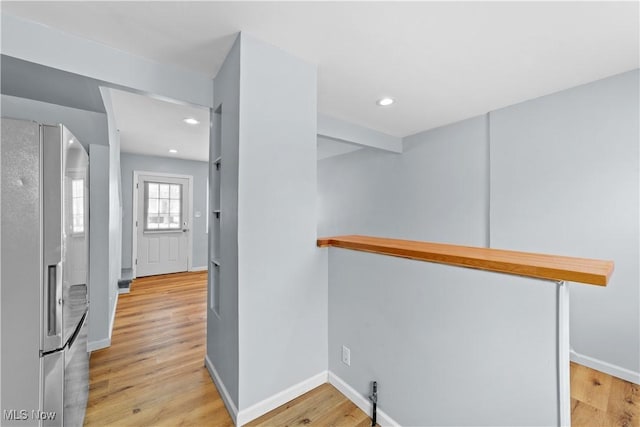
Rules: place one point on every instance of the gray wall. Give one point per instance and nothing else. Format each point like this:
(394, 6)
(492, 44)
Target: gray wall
(565, 179)
(282, 280)
(115, 207)
(222, 330)
(89, 127)
(430, 334)
(199, 170)
(436, 191)
(34, 81)
(99, 287)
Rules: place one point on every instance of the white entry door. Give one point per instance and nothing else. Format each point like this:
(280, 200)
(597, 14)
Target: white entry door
(163, 225)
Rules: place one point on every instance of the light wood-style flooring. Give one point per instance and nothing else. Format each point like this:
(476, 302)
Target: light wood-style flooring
(598, 399)
(153, 374)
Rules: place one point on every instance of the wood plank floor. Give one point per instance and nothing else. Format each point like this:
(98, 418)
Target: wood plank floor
(153, 373)
(598, 399)
(322, 406)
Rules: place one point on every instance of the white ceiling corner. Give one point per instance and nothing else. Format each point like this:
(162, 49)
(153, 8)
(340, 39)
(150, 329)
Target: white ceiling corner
(328, 147)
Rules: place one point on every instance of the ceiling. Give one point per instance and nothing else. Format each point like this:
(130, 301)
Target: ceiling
(441, 61)
(153, 127)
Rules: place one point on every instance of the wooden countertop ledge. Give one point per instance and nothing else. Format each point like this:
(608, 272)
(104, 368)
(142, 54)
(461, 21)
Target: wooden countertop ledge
(541, 266)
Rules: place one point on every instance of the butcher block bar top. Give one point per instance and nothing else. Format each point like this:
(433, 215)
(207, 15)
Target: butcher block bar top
(540, 266)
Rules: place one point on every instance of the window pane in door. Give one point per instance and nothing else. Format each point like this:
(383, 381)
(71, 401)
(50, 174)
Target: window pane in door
(163, 206)
(175, 191)
(164, 191)
(153, 190)
(153, 206)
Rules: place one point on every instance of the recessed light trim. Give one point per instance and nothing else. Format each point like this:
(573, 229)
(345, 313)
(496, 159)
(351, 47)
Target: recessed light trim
(173, 151)
(191, 121)
(385, 102)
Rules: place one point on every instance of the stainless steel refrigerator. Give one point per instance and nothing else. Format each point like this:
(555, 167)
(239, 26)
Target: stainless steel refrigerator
(44, 272)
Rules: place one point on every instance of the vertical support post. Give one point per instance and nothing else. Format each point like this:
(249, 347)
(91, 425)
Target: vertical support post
(564, 393)
(374, 400)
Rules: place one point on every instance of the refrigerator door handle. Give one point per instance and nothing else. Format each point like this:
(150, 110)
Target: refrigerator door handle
(54, 302)
(51, 300)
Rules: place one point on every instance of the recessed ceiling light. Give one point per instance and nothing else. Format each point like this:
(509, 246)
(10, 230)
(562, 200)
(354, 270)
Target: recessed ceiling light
(173, 151)
(385, 102)
(191, 121)
(70, 141)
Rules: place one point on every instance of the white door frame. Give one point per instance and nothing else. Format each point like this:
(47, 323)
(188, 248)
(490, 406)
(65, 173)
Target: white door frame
(134, 246)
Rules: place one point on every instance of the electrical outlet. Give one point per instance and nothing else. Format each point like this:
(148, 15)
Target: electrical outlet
(346, 355)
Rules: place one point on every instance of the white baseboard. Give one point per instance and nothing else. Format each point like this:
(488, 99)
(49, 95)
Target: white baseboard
(254, 411)
(226, 398)
(124, 290)
(97, 345)
(605, 367)
(360, 401)
(203, 268)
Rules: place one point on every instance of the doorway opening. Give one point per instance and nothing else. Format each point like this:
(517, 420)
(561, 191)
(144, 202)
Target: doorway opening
(162, 212)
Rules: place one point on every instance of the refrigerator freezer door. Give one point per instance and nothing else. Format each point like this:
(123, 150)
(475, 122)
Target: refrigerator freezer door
(52, 165)
(21, 273)
(53, 389)
(76, 378)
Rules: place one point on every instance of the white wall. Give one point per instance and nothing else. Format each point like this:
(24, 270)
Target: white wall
(115, 206)
(282, 280)
(105, 214)
(432, 335)
(99, 272)
(273, 291)
(565, 179)
(222, 328)
(437, 190)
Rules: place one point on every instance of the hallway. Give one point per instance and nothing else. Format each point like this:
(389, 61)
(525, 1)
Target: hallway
(153, 373)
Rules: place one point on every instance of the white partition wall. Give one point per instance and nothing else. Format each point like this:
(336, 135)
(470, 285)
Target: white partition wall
(266, 342)
(222, 323)
(448, 346)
